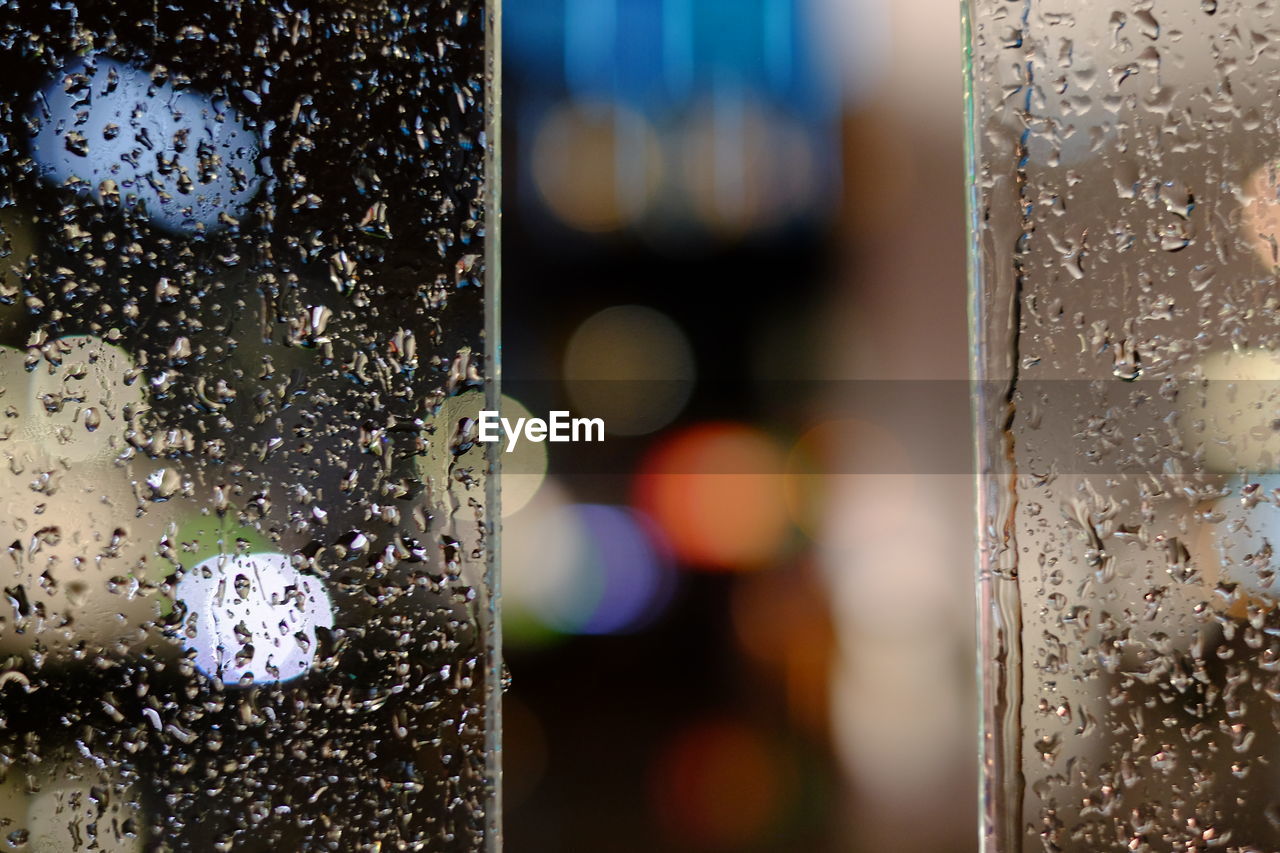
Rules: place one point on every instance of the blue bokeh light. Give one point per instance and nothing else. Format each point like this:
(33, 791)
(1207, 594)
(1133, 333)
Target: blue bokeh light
(189, 161)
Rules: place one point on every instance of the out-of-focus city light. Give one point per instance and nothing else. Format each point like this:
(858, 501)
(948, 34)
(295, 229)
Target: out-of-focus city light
(523, 469)
(80, 393)
(542, 556)
(1261, 225)
(630, 365)
(717, 491)
(841, 449)
(252, 617)
(784, 623)
(120, 133)
(80, 806)
(203, 537)
(715, 116)
(852, 44)
(596, 165)
(1228, 416)
(625, 552)
(1234, 553)
(720, 785)
(580, 568)
(894, 574)
(745, 165)
(70, 403)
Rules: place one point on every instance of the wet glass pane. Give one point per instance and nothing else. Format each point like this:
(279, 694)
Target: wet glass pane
(1125, 197)
(245, 325)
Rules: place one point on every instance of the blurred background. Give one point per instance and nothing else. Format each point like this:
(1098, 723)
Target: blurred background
(734, 229)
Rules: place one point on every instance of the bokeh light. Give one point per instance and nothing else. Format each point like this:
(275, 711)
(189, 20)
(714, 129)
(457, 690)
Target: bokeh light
(82, 393)
(80, 806)
(1231, 417)
(630, 365)
(773, 216)
(717, 492)
(720, 785)
(71, 402)
(784, 624)
(596, 164)
(680, 120)
(542, 554)
(625, 552)
(854, 449)
(733, 168)
(252, 617)
(523, 469)
(581, 569)
(113, 130)
(1261, 225)
(895, 552)
(203, 537)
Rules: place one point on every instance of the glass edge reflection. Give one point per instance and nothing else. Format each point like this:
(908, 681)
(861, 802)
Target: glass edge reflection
(493, 393)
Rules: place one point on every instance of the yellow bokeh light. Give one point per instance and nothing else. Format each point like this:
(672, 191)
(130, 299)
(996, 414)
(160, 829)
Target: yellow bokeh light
(596, 165)
(630, 365)
(522, 470)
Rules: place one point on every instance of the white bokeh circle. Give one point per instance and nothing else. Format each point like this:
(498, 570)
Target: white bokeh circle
(253, 615)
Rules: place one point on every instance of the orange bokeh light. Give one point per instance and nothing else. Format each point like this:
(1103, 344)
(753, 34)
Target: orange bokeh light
(717, 491)
(720, 785)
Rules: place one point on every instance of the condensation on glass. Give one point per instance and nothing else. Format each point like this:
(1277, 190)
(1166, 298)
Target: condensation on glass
(246, 322)
(1125, 193)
